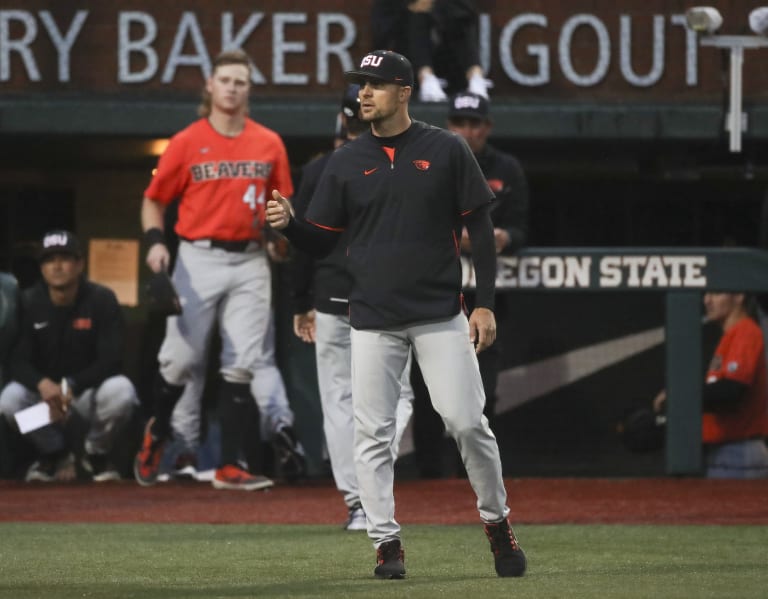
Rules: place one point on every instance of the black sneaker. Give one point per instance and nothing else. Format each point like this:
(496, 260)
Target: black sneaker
(102, 470)
(185, 466)
(508, 555)
(291, 462)
(390, 561)
(43, 470)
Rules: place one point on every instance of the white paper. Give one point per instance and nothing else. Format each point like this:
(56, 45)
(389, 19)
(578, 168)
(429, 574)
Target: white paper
(33, 418)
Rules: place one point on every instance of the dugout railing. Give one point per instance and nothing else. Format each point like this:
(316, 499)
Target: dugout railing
(682, 274)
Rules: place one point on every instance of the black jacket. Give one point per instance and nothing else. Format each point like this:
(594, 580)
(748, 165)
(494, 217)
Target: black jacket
(324, 283)
(82, 342)
(506, 179)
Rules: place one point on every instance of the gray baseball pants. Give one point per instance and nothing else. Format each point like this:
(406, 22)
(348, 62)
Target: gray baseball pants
(451, 373)
(105, 407)
(231, 288)
(267, 387)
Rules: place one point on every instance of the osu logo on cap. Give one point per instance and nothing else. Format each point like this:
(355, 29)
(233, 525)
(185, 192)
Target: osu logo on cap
(371, 60)
(55, 240)
(466, 102)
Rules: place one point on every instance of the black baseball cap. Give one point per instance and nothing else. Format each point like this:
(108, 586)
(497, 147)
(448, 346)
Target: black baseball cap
(466, 105)
(350, 102)
(59, 242)
(383, 65)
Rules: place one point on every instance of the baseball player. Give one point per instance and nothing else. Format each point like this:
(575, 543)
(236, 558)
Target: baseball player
(321, 291)
(68, 355)
(401, 192)
(222, 166)
(735, 397)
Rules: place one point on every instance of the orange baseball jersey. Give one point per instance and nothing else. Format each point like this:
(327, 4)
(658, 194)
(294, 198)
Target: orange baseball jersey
(739, 357)
(223, 182)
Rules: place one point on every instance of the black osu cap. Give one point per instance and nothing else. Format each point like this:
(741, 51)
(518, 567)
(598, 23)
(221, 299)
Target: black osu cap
(466, 105)
(383, 65)
(59, 242)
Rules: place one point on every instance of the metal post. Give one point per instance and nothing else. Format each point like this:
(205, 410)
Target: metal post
(735, 116)
(684, 382)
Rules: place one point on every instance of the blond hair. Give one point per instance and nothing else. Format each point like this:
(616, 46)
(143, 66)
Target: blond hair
(225, 58)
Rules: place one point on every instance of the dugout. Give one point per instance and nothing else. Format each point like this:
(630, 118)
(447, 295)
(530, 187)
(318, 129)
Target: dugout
(613, 109)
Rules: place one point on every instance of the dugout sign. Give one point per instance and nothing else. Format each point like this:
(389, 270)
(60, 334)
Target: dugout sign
(611, 269)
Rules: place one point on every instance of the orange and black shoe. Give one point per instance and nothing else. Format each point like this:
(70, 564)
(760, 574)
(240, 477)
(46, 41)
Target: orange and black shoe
(508, 555)
(146, 465)
(390, 560)
(236, 478)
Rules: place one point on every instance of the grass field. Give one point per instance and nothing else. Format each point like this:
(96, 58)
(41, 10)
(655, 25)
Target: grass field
(176, 561)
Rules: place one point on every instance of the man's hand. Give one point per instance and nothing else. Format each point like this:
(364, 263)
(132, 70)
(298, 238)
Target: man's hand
(158, 257)
(482, 328)
(58, 402)
(279, 211)
(305, 327)
(659, 402)
(500, 238)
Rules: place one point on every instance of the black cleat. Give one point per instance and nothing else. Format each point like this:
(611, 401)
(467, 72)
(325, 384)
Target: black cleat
(390, 560)
(291, 461)
(508, 555)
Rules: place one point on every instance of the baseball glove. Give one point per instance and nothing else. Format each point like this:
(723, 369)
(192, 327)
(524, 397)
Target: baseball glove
(642, 430)
(161, 295)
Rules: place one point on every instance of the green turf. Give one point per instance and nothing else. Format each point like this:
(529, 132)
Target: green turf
(175, 561)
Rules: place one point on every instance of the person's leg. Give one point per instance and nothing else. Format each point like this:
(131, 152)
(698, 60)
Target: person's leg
(187, 414)
(738, 460)
(275, 413)
(428, 428)
(200, 277)
(334, 378)
(243, 324)
(449, 365)
(378, 361)
(404, 407)
(268, 387)
(110, 408)
(47, 440)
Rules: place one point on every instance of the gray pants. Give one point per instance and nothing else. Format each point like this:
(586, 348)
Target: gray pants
(451, 373)
(334, 377)
(105, 408)
(738, 459)
(267, 387)
(231, 288)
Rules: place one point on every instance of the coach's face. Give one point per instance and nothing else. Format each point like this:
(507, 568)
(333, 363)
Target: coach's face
(474, 131)
(380, 100)
(61, 271)
(228, 86)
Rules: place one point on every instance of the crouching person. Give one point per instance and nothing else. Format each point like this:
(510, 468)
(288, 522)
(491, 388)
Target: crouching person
(68, 355)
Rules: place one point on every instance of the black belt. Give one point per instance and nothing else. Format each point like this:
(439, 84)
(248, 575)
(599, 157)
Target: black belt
(229, 246)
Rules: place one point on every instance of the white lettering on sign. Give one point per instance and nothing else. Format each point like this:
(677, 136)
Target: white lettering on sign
(549, 271)
(63, 42)
(653, 271)
(281, 47)
(612, 272)
(602, 45)
(597, 28)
